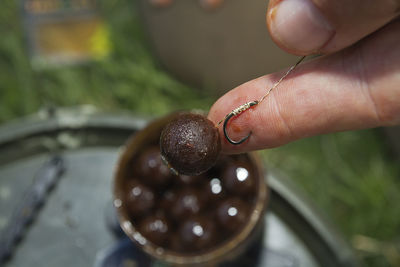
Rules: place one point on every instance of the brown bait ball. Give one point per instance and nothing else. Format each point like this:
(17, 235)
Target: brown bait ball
(152, 169)
(168, 199)
(140, 199)
(213, 190)
(232, 214)
(190, 179)
(190, 144)
(155, 228)
(174, 243)
(197, 233)
(238, 178)
(188, 202)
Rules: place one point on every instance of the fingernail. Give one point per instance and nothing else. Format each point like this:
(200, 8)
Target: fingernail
(300, 26)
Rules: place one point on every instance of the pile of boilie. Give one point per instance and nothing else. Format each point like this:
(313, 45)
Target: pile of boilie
(186, 213)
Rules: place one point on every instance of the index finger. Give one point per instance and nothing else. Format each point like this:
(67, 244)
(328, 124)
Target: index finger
(354, 89)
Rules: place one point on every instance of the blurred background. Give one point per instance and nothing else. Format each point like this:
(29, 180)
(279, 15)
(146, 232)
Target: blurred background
(150, 61)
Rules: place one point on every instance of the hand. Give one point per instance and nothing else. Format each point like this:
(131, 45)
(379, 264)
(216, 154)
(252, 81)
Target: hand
(355, 85)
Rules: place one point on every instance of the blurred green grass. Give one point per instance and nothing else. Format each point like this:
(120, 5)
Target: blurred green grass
(129, 79)
(350, 175)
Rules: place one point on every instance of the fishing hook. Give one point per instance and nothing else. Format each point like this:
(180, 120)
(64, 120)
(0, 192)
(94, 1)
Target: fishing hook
(234, 113)
(248, 105)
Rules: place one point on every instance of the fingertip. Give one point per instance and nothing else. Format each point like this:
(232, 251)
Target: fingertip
(246, 92)
(298, 27)
(306, 27)
(240, 126)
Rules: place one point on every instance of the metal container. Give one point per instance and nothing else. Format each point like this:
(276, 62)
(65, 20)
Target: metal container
(228, 250)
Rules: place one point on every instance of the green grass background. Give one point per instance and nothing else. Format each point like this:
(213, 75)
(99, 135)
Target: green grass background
(350, 176)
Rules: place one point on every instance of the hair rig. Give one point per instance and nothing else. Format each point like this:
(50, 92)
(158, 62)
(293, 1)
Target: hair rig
(250, 104)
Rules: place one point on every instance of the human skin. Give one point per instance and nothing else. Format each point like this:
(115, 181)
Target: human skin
(354, 85)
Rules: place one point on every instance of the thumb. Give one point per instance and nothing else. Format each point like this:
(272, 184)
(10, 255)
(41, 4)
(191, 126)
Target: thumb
(306, 27)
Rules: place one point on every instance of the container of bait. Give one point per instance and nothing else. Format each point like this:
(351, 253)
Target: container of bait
(189, 220)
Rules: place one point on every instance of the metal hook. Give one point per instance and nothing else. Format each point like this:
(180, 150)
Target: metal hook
(248, 105)
(234, 113)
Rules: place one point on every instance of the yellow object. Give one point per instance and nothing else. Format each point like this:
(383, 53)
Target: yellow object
(73, 39)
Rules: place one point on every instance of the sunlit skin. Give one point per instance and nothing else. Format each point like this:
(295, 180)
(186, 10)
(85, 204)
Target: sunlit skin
(354, 86)
(211, 4)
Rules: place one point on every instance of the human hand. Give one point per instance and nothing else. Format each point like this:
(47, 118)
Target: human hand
(356, 85)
